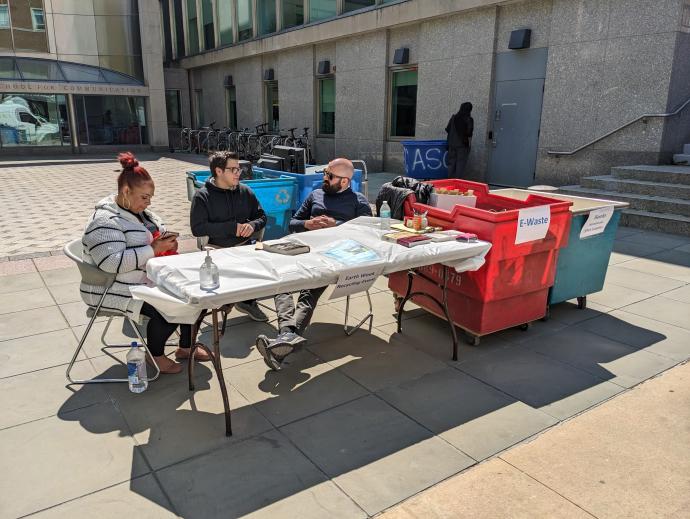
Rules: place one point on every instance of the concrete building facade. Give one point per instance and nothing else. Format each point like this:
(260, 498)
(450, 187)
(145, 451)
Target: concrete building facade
(591, 66)
(76, 75)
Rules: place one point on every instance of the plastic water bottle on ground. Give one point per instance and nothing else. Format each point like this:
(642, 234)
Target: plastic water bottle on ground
(136, 369)
(209, 277)
(385, 215)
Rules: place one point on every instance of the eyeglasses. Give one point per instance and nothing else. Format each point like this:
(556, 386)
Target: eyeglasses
(330, 175)
(234, 170)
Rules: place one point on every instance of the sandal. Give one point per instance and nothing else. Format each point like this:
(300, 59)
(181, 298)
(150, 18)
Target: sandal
(200, 354)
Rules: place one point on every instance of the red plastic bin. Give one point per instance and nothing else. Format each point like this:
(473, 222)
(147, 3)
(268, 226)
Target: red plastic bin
(512, 286)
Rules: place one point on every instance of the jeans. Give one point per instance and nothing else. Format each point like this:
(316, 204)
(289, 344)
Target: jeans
(296, 318)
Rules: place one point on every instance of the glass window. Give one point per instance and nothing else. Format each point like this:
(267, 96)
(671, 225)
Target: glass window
(111, 120)
(41, 70)
(192, 27)
(353, 5)
(403, 103)
(321, 9)
(272, 107)
(327, 106)
(207, 18)
(37, 19)
(293, 13)
(130, 65)
(231, 100)
(4, 17)
(81, 73)
(8, 69)
(225, 17)
(179, 29)
(33, 120)
(114, 77)
(199, 108)
(266, 12)
(28, 25)
(172, 108)
(245, 21)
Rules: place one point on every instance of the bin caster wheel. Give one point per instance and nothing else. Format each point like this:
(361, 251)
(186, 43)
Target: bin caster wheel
(525, 327)
(582, 302)
(472, 340)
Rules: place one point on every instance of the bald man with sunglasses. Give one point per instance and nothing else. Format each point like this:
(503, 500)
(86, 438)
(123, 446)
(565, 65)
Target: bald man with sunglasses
(334, 203)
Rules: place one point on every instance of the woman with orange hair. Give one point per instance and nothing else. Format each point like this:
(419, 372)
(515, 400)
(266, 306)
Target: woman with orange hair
(119, 239)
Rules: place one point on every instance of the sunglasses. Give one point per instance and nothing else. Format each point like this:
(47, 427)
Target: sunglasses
(233, 170)
(330, 176)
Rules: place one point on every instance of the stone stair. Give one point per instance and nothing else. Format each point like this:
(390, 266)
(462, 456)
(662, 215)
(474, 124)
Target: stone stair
(683, 158)
(659, 196)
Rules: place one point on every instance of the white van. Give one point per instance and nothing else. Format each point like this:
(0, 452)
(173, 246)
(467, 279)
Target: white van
(31, 128)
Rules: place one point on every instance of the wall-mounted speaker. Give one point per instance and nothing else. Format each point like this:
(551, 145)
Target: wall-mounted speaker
(401, 56)
(520, 39)
(268, 74)
(324, 67)
(228, 81)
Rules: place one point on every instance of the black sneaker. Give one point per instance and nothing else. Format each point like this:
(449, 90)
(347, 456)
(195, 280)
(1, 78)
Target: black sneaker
(262, 345)
(252, 310)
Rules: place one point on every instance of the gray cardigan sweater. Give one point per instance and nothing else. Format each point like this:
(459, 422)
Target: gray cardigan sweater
(116, 241)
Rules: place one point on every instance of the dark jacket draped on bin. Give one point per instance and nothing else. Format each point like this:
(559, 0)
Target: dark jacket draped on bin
(460, 127)
(398, 190)
(216, 212)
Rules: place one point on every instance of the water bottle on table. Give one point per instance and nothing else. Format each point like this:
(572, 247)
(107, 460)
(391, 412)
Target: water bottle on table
(209, 277)
(136, 369)
(385, 215)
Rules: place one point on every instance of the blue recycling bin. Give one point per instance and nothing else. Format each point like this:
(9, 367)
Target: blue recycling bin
(306, 183)
(582, 265)
(425, 160)
(276, 196)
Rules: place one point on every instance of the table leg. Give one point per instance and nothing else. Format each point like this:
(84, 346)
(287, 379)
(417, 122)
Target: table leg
(192, 349)
(219, 373)
(443, 305)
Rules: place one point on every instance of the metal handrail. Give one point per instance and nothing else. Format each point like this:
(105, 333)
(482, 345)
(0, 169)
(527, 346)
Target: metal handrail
(645, 116)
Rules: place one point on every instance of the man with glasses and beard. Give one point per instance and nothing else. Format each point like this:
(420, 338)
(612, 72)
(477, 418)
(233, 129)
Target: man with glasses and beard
(331, 205)
(228, 213)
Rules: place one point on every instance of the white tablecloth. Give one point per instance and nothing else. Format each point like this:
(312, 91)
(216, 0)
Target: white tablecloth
(246, 273)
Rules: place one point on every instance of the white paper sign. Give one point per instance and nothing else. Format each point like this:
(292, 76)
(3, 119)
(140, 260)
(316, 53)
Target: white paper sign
(356, 280)
(533, 223)
(597, 221)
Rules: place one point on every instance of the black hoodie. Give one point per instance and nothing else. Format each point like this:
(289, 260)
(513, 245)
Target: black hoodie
(216, 213)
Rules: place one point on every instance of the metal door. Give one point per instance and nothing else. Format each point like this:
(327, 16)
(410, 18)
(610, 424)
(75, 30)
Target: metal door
(514, 128)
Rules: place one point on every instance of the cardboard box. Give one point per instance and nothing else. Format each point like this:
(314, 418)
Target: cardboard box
(447, 202)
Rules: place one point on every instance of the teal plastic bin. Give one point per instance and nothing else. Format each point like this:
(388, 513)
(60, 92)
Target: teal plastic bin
(306, 183)
(276, 196)
(582, 265)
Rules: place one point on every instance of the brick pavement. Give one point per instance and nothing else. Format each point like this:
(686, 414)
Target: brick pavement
(45, 204)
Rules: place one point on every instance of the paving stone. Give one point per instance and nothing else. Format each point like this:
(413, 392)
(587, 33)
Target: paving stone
(265, 475)
(25, 300)
(540, 382)
(37, 352)
(472, 416)
(18, 282)
(171, 424)
(305, 386)
(80, 452)
(9, 268)
(140, 497)
(31, 322)
(374, 453)
(663, 309)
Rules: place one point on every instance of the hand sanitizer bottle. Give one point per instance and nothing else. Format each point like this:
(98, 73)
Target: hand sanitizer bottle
(385, 214)
(209, 278)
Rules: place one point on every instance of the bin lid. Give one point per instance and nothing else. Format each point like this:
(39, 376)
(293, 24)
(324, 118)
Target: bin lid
(581, 205)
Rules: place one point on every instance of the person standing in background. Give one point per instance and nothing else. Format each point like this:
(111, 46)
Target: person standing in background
(459, 129)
